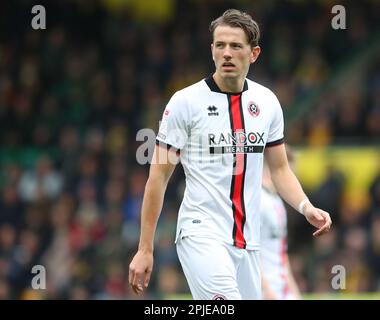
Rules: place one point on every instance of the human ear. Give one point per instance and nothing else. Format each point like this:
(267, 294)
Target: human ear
(255, 54)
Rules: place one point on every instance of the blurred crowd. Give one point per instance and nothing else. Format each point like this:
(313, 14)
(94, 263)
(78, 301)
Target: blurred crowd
(73, 97)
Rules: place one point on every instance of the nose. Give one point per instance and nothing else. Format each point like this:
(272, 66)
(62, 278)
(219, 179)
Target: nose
(227, 53)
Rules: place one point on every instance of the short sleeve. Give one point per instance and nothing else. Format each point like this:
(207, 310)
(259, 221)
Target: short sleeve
(276, 129)
(173, 128)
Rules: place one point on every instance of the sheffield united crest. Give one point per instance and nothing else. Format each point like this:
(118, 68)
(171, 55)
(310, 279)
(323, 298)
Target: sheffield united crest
(253, 109)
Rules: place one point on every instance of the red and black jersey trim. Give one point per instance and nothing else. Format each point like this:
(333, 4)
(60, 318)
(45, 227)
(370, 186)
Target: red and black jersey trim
(275, 143)
(168, 146)
(238, 173)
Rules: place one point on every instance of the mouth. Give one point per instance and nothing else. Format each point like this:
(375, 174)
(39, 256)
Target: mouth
(228, 66)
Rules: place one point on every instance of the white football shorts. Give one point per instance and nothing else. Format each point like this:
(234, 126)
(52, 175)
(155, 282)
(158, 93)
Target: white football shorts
(219, 271)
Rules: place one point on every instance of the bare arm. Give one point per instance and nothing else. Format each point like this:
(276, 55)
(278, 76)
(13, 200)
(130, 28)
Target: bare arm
(289, 188)
(161, 169)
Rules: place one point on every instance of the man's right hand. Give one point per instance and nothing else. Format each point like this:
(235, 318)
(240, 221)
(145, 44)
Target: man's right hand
(140, 271)
(318, 218)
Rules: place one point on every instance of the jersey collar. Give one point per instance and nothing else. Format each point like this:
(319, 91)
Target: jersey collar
(214, 87)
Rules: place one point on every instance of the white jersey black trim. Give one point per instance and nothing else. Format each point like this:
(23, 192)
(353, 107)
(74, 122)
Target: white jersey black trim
(275, 143)
(167, 146)
(222, 142)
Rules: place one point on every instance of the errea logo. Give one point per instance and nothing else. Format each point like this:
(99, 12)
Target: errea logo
(212, 111)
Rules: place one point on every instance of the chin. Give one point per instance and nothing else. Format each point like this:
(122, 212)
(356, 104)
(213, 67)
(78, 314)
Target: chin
(229, 75)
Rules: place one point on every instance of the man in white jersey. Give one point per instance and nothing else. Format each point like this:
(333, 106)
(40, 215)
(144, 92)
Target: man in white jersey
(219, 128)
(277, 277)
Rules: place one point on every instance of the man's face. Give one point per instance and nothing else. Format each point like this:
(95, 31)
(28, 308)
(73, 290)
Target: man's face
(232, 53)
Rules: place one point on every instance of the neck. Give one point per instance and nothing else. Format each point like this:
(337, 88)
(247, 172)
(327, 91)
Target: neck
(230, 84)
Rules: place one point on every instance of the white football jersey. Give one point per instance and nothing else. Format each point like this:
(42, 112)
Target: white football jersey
(273, 243)
(220, 138)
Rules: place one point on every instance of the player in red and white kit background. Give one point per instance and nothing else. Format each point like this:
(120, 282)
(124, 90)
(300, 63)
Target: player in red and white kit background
(278, 282)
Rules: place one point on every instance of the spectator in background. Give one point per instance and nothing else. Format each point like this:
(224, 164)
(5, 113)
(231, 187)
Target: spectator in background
(132, 205)
(24, 256)
(5, 292)
(58, 258)
(374, 252)
(12, 208)
(69, 153)
(330, 193)
(354, 257)
(374, 193)
(44, 182)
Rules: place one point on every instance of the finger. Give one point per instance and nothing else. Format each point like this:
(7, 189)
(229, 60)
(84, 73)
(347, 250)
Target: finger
(326, 216)
(136, 283)
(328, 221)
(316, 219)
(323, 220)
(319, 233)
(137, 289)
(322, 230)
(132, 281)
(131, 274)
(147, 278)
(319, 217)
